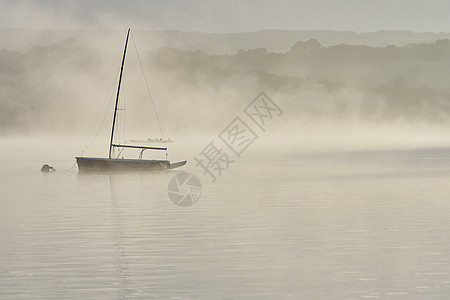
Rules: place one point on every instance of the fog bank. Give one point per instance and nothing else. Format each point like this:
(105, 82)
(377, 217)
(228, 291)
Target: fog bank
(361, 91)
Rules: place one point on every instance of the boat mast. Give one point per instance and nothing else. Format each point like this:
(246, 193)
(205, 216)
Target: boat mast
(117, 97)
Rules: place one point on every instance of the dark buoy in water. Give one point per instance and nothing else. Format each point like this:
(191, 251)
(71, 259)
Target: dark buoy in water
(46, 169)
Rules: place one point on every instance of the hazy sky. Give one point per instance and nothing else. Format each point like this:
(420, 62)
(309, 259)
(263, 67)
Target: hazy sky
(228, 16)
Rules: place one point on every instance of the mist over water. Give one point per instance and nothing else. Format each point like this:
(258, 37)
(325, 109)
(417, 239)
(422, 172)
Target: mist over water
(342, 194)
(62, 88)
(281, 222)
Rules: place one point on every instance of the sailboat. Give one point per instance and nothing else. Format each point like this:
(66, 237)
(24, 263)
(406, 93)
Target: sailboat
(120, 164)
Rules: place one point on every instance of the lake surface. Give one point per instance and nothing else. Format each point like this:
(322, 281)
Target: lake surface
(295, 225)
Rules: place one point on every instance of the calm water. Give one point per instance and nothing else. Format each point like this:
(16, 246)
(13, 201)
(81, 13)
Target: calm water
(342, 225)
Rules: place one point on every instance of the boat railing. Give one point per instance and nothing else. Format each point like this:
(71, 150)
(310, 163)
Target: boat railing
(143, 148)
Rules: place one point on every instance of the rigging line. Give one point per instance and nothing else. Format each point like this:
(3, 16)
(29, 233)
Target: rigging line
(124, 113)
(118, 115)
(109, 95)
(148, 89)
(103, 105)
(101, 125)
(119, 133)
(121, 123)
(69, 169)
(123, 119)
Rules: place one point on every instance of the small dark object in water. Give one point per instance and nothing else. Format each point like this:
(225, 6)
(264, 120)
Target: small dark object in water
(46, 168)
